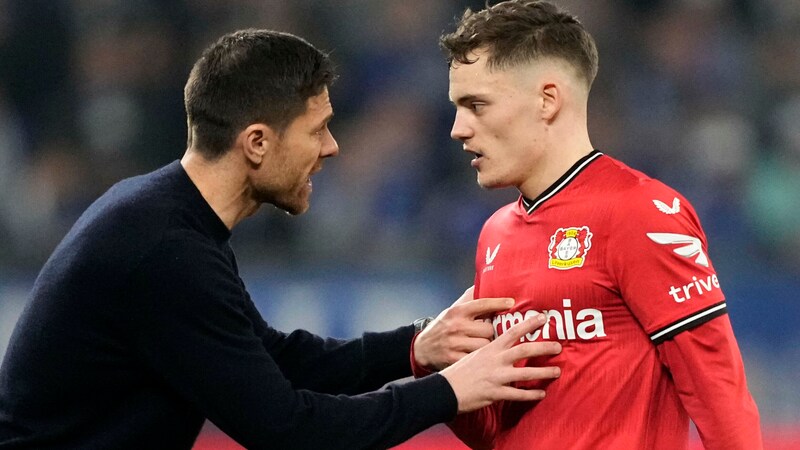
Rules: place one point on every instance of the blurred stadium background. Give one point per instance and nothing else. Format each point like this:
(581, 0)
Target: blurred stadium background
(703, 94)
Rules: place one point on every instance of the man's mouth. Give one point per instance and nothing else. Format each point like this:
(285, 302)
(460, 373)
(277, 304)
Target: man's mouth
(314, 171)
(477, 157)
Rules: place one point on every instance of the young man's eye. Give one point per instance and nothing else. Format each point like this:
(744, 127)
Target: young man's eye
(477, 107)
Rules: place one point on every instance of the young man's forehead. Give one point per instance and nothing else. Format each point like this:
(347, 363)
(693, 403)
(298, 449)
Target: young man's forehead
(476, 82)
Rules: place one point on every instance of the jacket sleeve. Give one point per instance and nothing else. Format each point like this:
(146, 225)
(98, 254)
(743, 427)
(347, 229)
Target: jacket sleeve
(707, 368)
(194, 332)
(336, 366)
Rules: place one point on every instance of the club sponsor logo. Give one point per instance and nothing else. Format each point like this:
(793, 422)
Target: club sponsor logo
(698, 286)
(566, 324)
(691, 246)
(490, 256)
(568, 247)
(666, 209)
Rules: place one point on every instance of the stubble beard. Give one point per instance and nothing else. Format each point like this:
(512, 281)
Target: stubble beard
(291, 202)
(293, 206)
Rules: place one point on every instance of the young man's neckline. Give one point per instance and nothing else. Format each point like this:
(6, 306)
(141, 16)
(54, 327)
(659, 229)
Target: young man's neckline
(531, 205)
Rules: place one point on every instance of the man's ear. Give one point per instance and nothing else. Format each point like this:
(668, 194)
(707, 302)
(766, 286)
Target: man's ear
(551, 100)
(257, 140)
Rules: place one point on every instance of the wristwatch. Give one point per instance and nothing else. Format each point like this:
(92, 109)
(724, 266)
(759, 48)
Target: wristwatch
(421, 323)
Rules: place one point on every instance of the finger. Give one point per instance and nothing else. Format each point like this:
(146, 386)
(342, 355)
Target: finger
(535, 373)
(519, 395)
(522, 374)
(514, 333)
(483, 306)
(467, 296)
(532, 350)
(478, 329)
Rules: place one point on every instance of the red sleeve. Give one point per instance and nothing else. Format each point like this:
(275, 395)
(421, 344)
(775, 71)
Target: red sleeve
(477, 429)
(666, 277)
(707, 368)
(416, 369)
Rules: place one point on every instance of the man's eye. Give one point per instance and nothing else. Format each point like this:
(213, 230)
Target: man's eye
(477, 106)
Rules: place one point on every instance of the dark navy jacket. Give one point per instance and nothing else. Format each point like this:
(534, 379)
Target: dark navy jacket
(139, 327)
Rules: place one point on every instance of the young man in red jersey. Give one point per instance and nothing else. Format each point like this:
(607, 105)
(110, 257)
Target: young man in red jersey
(617, 260)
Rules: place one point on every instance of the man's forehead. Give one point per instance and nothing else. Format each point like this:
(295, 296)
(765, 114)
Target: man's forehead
(320, 101)
(319, 106)
(479, 79)
(473, 80)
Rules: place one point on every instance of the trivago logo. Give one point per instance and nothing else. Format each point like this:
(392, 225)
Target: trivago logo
(584, 324)
(700, 286)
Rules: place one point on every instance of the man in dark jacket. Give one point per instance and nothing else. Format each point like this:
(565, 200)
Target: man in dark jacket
(139, 327)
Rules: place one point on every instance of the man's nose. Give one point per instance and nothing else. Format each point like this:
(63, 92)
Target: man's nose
(461, 129)
(330, 146)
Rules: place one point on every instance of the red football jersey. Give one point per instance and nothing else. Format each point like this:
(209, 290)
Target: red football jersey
(618, 262)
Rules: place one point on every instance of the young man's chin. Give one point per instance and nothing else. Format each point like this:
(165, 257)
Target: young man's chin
(494, 184)
(486, 183)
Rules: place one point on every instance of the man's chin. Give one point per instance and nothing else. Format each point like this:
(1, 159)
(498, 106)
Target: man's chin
(294, 209)
(492, 185)
(487, 184)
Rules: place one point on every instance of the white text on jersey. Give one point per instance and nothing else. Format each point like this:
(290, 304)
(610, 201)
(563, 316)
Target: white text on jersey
(709, 283)
(589, 323)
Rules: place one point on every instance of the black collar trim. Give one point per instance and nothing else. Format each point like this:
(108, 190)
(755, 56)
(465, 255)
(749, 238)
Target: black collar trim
(561, 183)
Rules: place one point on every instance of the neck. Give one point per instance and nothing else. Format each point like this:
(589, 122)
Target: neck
(561, 150)
(223, 184)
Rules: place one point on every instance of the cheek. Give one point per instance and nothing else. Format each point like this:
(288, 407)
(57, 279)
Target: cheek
(302, 154)
(523, 138)
(308, 163)
(306, 158)
(504, 130)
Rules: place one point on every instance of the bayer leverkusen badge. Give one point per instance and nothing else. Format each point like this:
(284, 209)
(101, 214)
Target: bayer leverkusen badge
(568, 247)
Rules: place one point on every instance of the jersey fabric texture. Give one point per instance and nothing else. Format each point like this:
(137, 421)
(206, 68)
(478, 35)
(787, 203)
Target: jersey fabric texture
(619, 263)
(139, 327)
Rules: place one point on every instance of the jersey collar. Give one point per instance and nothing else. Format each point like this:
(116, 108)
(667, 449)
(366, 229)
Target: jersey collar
(531, 205)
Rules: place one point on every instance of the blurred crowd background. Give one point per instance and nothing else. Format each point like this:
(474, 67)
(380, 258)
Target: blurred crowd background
(702, 94)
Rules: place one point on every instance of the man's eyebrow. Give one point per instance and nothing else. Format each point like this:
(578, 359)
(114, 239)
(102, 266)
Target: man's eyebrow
(464, 99)
(326, 119)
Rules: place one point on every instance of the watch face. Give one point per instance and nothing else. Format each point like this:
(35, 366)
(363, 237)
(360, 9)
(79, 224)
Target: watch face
(421, 323)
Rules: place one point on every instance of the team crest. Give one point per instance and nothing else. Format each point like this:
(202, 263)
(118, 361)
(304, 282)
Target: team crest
(568, 247)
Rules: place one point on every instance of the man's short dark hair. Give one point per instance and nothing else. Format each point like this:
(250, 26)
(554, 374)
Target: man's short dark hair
(251, 76)
(521, 31)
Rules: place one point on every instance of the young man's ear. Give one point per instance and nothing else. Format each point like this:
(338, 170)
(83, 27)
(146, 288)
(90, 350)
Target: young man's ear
(257, 140)
(551, 100)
